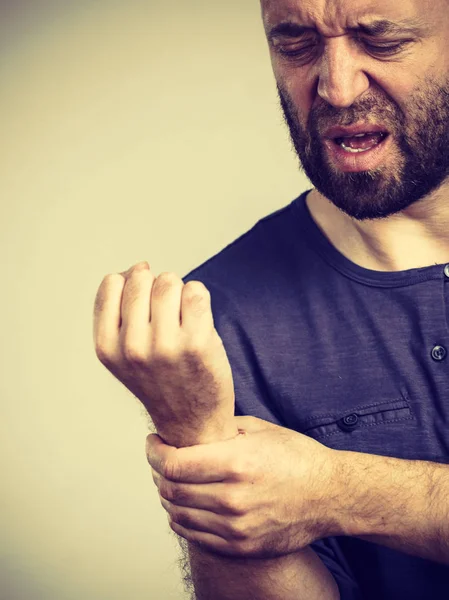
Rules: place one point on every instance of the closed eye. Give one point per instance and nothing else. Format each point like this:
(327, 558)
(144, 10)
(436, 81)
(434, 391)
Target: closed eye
(385, 48)
(379, 49)
(298, 51)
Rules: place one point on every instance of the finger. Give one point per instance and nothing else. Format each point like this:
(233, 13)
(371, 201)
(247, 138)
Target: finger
(211, 496)
(204, 463)
(158, 452)
(157, 478)
(208, 541)
(135, 307)
(166, 309)
(106, 326)
(196, 310)
(196, 519)
(143, 263)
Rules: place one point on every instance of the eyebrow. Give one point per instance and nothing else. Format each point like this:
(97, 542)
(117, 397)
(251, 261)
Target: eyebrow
(379, 27)
(383, 27)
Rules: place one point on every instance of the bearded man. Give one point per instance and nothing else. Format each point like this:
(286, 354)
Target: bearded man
(320, 470)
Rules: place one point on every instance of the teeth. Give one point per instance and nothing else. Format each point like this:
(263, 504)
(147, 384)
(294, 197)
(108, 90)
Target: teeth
(359, 135)
(354, 149)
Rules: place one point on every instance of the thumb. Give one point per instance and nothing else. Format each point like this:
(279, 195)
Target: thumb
(158, 452)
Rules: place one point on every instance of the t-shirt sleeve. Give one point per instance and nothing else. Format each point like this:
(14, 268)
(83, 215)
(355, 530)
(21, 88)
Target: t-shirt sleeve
(253, 397)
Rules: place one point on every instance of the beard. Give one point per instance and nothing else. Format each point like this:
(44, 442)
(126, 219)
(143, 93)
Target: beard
(420, 161)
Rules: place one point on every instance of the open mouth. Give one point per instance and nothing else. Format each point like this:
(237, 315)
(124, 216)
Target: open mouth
(362, 142)
(361, 151)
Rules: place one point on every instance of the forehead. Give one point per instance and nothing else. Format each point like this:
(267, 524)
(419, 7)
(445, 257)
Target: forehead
(331, 17)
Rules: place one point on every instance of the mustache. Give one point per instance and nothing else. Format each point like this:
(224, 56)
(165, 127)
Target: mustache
(321, 118)
(369, 110)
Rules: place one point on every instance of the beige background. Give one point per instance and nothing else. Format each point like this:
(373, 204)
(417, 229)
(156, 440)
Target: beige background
(129, 131)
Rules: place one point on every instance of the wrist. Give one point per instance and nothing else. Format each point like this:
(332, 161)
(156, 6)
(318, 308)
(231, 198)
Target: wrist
(182, 435)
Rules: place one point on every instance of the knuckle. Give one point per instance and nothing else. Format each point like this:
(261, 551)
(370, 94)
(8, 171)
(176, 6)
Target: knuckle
(196, 288)
(168, 276)
(172, 514)
(164, 282)
(156, 476)
(194, 349)
(239, 468)
(184, 520)
(173, 524)
(178, 494)
(196, 297)
(171, 470)
(165, 490)
(170, 492)
(239, 531)
(111, 276)
(140, 271)
(102, 354)
(132, 291)
(133, 354)
(197, 305)
(181, 495)
(106, 287)
(247, 548)
(173, 493)
(164, 353)
(113, 281)
(230, 503)
(110, 359)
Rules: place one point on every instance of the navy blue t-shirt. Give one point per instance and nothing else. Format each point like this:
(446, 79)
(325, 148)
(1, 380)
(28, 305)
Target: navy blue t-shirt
(354, 358)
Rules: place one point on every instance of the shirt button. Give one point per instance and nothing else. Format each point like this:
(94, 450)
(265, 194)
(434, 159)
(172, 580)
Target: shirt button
(439, 353)
(349, 422)
(446, 271)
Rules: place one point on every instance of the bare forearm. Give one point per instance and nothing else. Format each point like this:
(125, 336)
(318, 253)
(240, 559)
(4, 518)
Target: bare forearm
(398, 503)
(296, 576)
(215, 577)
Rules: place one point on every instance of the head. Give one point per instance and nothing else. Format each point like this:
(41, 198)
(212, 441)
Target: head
(376, 62)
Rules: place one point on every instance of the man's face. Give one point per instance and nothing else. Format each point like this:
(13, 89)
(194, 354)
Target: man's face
(335, 73)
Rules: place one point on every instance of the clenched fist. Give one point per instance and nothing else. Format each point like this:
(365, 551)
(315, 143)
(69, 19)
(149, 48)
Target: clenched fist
(157, 336)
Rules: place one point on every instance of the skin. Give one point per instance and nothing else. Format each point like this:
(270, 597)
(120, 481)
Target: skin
(153, 333)
(394, 217)
(156, 335)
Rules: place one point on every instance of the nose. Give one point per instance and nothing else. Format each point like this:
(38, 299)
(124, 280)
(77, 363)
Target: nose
(341, 79)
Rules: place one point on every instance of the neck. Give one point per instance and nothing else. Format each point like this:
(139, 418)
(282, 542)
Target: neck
(417, 237)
